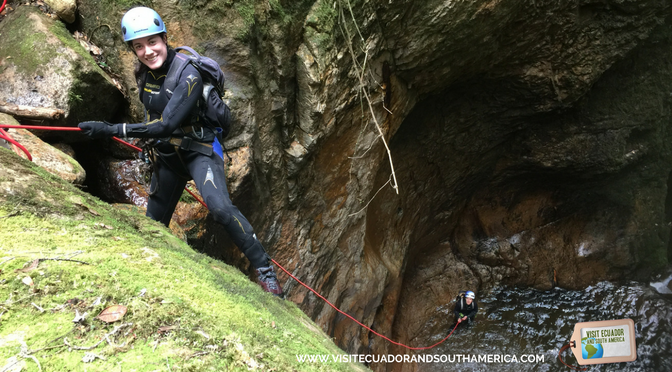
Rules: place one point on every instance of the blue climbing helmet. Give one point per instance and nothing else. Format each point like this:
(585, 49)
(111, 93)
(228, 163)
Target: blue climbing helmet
(140, 22)
(470, 294)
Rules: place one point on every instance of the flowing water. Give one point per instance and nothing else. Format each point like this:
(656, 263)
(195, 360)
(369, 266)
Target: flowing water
(518, 322)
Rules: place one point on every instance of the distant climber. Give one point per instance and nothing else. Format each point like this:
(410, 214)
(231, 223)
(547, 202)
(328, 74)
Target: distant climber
(465, 308)
(183, 146)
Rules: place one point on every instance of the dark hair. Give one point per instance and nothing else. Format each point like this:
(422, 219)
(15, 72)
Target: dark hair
(163, 35)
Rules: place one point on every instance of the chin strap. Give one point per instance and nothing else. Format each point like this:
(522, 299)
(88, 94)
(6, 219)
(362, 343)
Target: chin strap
(571, 344)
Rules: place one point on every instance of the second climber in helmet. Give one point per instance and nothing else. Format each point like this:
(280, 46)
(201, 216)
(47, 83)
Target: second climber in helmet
(465, 308)
(183, 147)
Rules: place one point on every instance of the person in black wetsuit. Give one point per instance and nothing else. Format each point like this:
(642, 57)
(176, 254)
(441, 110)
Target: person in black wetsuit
(185, 149)
(466, 308)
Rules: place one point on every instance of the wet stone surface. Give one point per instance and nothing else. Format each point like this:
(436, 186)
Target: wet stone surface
(526, 321)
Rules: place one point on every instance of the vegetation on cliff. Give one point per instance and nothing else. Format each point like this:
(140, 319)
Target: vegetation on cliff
(65, 254)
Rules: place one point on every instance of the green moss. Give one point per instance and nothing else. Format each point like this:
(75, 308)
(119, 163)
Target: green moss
(32, 50)
(323, 16)
(101, 22)
(211, 307)
(58, 29)
(246, 11)
(19, 40)
(74, 98)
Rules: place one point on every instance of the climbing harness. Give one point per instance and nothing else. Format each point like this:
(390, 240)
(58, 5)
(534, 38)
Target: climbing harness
(3, 135)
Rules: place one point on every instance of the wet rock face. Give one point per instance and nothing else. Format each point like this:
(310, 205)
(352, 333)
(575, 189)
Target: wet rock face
(561, 199)
(124, 181)
(556, 48)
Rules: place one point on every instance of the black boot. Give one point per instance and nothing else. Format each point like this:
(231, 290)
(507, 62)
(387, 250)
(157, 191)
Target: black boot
(269, 281)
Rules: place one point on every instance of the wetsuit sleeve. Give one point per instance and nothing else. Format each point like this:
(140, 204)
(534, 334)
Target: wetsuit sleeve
(179, 108)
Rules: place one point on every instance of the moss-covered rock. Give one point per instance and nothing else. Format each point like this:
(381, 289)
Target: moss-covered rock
(65, 9)
(46, 156)
(42, 65)
(184, 309)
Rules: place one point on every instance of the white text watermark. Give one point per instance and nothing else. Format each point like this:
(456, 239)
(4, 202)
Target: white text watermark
(422, 358)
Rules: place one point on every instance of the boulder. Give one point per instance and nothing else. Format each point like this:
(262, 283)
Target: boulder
(43, 66)
(46, 156)
(65, 9)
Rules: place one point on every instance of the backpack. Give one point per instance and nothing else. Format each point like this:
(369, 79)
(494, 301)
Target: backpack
(215, 113)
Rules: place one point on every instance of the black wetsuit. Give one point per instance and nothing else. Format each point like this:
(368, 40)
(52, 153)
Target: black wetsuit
(462, 310)
(170, 116)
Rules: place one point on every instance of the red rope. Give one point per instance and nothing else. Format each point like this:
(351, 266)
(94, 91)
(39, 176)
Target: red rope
(3, 6)
(40, 127)
(274, 261)
(195, 197)
(357, 321)
(571, 344)
(127, 144)
(66, 129)
(4, 135)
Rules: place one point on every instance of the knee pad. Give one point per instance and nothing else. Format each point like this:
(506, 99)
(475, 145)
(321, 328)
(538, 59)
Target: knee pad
(218, 210)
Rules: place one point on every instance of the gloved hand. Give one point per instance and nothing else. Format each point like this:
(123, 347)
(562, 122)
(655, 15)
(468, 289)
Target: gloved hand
(98, 129)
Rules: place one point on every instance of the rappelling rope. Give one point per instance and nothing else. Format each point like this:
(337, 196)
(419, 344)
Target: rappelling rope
(3, 5)
(272, 260)
(357, 321)
(5, 136)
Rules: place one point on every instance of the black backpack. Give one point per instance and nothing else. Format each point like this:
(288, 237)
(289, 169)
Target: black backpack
(215, 113)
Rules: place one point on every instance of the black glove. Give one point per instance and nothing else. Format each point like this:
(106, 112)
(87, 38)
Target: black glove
(98, 129)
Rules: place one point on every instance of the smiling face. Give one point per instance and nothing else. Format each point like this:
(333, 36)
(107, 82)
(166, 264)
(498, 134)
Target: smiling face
(468, 300)
(152, 50)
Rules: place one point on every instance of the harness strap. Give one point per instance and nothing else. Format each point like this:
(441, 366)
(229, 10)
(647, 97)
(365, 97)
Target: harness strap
(187, 143)
(187, 129)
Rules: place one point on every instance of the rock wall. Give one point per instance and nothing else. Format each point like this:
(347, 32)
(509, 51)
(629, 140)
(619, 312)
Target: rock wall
(564, 198)
(519, 161)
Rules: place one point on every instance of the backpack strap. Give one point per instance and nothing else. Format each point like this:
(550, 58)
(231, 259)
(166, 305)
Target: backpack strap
(179, 63)
(188, 49)
(140, 80)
